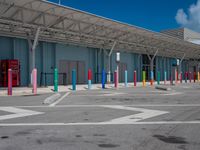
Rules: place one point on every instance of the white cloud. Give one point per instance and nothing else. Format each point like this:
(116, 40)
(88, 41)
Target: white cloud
(191, 19)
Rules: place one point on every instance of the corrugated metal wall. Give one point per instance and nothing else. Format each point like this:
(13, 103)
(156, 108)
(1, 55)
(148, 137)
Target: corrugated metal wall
(48, 56)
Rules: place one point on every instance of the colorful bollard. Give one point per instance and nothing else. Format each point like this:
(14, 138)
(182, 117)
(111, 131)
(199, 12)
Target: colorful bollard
(186, 77)
(126, 78)
(194, 77)
(152, 78)
(10, 82)
(181, 77)
(165, 77)
(144, 78)
(171, 80)
(103, 79)
(135, 78)
(74, 80)
(89, 79)
(158, 80)
(115, 79)
(34, 74)
(55, 80)
(176, 76)
(190, 76)
(198, 76)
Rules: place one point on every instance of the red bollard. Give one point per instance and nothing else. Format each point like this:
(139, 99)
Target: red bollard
(9, 81)
(194, 77)
(135, 78)
(89, 74)
(115, 79)
(89, 79)
(34, 76)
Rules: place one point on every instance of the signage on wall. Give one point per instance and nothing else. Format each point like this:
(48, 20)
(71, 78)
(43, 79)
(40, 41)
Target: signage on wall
(176, 62)
(117, 57)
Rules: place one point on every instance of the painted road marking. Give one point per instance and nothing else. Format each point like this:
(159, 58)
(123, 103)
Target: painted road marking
(51, 98)
(136, 105)
(174, 93)
(144, 114)
(59, 100)
(133, 94)
(100, 124)
(17, 113)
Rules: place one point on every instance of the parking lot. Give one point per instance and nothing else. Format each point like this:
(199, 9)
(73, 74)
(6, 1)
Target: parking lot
(122, 119)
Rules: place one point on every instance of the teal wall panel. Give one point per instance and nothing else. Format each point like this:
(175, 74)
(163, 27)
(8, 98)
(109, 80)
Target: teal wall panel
(6, 48)
(20, 50)
(48, 62)
(48, 56)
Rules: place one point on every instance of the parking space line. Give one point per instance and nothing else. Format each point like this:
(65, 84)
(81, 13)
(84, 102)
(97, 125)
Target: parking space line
(100, 123)
(136, 105)
(59, 100)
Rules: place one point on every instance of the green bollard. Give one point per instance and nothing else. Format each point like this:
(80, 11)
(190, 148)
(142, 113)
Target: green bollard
(56, 80)
(158, 80)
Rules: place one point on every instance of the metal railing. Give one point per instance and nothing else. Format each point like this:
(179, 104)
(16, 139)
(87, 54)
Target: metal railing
(46, 75)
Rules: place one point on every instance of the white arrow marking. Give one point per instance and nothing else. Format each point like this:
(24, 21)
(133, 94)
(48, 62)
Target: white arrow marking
(17, 113)
(131, 119)
(145, 114)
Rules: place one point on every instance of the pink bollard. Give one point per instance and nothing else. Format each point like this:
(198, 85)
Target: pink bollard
(115, 79)
(34, 74)
(9, 81)
(135, 78)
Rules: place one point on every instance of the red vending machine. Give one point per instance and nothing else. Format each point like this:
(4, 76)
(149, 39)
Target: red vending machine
(9, 64)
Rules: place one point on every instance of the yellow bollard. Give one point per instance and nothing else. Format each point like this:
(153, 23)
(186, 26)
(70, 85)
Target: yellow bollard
(144, 78)
(198, 76)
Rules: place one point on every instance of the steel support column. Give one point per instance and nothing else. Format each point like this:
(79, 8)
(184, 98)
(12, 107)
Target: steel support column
(151, 65)
(109, 63)
(138, 67)
(32, 47)
(179, 67)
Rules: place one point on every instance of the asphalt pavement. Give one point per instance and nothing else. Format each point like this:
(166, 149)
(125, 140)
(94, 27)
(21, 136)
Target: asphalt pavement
(119, 119)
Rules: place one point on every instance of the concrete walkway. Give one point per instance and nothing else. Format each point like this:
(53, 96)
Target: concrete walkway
(19, 91)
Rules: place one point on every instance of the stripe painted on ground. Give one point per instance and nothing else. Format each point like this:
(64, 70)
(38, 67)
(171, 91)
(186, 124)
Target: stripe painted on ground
(137, 105)
(17, 113)
(52, 98)
(100, 124)
(59, 100)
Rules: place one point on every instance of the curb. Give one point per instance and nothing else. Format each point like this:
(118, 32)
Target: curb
(52, 98)
(164, 88)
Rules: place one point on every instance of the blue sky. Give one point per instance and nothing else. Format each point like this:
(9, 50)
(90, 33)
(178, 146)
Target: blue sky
(155, 15)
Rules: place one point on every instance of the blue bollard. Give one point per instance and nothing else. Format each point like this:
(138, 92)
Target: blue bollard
(103, 79)
(74, 80)
(126, 78)
(89, 84)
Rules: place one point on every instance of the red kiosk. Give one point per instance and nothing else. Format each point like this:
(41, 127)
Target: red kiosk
(4, 66)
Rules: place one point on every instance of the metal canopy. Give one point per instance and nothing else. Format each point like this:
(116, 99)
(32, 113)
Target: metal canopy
(21, 18)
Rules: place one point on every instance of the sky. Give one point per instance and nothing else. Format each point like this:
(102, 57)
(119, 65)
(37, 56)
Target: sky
(155, 15)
